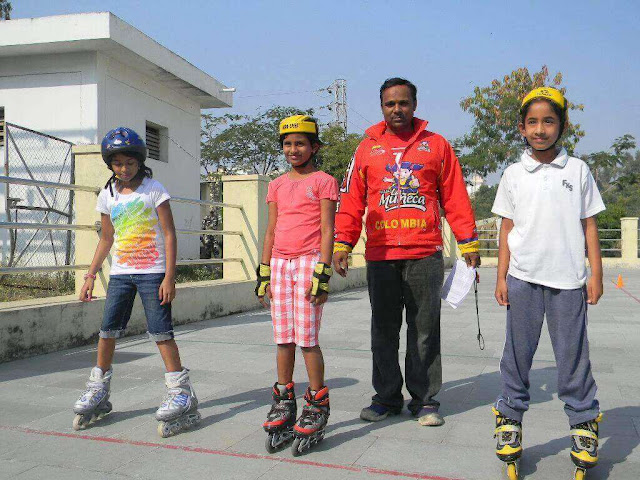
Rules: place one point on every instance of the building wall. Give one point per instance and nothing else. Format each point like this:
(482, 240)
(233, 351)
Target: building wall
(80, 96)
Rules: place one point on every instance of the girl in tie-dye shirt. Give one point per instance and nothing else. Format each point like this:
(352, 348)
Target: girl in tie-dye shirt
(137, 221)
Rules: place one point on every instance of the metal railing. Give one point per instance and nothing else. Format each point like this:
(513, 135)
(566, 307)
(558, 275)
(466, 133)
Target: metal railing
(604, 242)
(96, 227)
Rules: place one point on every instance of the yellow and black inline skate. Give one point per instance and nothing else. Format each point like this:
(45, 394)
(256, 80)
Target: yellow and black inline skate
(508, 433)
(584, 446)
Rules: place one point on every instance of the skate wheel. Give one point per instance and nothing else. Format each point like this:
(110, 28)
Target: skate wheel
(297, 447)
(580, 474)
(164, 430)
(79, 423)
(512, 471)
(268, 444)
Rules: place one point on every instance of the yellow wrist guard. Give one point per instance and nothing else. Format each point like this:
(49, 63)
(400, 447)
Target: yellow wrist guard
(341, 247)
(320, 281)
(470, 247)
(263, 274)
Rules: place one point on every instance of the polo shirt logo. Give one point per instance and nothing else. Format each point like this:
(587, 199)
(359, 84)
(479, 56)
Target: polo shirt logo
(567, 185)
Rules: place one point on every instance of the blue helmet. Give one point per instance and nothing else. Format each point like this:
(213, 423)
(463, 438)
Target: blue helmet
(123, 140)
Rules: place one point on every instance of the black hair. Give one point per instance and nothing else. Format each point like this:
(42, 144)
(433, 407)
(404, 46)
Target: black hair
(559, 111)
(143, 170)
(397, 81)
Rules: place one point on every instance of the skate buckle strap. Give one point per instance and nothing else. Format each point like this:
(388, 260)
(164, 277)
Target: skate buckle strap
(584, 433)
(507, 428)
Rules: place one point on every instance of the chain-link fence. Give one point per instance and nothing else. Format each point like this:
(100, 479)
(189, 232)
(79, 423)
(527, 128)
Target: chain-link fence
(36, 156)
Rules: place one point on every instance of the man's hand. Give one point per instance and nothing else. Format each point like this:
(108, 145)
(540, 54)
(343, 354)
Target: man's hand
(594, 290)
(472, 259)
(341, 263)
(502, 293)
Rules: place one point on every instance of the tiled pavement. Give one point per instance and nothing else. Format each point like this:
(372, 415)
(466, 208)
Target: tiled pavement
(233, 365)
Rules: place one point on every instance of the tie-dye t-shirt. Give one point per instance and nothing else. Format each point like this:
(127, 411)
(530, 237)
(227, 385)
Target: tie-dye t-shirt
(138, 240)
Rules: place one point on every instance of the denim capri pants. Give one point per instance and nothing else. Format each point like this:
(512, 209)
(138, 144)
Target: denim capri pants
(121, 293)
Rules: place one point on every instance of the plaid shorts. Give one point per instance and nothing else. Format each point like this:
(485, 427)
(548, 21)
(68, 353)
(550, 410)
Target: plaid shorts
(295, 320)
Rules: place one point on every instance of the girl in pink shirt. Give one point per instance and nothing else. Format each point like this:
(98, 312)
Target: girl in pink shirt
(294, 275)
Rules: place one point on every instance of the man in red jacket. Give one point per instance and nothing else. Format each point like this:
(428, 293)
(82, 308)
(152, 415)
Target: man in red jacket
(401, 174)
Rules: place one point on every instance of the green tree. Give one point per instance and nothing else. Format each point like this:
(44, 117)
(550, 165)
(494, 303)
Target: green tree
(5, 10)
(482, 201)
(337, 150)
(494, 140)
(244, 144)
(607, 166)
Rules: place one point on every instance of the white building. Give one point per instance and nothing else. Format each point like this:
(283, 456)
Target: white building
(77, 76)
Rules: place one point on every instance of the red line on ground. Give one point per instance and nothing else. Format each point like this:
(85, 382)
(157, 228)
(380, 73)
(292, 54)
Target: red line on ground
(225, 453)
(622, 288)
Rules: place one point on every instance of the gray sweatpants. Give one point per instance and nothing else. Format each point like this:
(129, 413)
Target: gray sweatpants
(566, 312)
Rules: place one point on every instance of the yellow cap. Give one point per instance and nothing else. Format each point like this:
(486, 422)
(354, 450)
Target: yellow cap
(546, 92)
(298, 124)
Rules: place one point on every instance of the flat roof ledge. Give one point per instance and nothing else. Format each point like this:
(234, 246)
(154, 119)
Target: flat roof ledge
(106, 33)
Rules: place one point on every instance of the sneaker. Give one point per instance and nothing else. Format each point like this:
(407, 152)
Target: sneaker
(429, 417)
(376, 412)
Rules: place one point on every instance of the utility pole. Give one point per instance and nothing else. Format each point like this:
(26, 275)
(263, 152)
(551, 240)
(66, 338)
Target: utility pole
(339, 103)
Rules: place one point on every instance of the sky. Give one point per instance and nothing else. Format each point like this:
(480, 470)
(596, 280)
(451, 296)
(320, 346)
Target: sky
(283, 52)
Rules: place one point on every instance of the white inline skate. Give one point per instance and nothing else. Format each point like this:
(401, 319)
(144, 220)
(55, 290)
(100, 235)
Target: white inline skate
(179, 409)
(94, 402)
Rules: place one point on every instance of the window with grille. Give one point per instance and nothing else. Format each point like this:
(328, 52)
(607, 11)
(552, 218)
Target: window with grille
(156, 140)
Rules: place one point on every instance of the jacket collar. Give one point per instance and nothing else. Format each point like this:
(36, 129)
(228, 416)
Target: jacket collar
(376, 131)
(531, 164)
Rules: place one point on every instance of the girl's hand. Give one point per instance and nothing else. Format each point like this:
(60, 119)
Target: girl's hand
(263, 302)
(167, 291)
(594, 290)
(502, 294)
(316, 299)
(86, 292)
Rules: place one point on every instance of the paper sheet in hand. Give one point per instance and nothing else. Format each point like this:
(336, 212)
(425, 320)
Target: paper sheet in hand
(458, 283)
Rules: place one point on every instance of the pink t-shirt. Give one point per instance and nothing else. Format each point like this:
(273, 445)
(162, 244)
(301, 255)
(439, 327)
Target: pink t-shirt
(298, 229)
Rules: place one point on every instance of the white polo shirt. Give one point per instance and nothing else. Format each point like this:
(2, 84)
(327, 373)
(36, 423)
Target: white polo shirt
(546, 203)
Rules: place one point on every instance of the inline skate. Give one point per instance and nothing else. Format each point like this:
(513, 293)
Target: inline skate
(508, 433)
(179, 409)
(584, 446)
(94, 402)
(281, 417)
(310, 427)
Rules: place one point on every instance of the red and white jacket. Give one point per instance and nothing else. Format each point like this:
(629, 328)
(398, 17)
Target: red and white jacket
(402, 192)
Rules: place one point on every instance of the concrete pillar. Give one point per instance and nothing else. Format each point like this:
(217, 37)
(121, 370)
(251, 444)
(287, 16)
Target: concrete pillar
(90, 171)
(357, 254)
(250, 191)
(629, 238)
(450, 251)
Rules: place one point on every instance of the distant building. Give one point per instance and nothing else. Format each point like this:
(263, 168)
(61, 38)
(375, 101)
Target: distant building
(77, 76)
(475, 183)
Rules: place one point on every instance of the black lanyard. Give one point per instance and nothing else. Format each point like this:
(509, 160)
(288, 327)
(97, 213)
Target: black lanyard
(479, 336)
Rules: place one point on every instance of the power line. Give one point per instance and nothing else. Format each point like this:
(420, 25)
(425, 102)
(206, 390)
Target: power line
(369, 122)
(273, 94)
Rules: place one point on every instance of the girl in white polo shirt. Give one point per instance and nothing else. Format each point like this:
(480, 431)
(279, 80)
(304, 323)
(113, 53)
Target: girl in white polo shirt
(548, 202)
